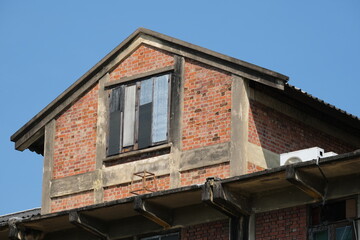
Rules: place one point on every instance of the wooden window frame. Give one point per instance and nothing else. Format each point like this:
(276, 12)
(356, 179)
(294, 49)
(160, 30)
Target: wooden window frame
(136, 80)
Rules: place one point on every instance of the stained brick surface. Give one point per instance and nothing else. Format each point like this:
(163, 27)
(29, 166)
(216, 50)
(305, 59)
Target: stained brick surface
(123, 190)
(207, 106)
(199, 175)
(279, 133)
(144, 59)
(75, 137)
(72, 201)
(218, 230)
(284, 224)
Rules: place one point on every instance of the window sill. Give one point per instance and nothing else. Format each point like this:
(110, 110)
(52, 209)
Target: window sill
(137, 152)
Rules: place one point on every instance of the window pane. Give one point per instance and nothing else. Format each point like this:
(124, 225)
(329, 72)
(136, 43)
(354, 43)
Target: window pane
(115, 121)
(129, 116)
(344, 233)
(160, 109)
(145, 112)
(323, 235)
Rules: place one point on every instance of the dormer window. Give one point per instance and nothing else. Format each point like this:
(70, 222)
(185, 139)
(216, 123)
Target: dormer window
(139, 114)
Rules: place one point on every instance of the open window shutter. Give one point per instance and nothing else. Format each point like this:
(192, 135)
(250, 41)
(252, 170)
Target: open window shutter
(160, 109)
(115, 121)
(145, 112)
(129, 115)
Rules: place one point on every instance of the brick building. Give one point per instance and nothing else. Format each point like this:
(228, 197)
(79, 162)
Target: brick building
(163, 139)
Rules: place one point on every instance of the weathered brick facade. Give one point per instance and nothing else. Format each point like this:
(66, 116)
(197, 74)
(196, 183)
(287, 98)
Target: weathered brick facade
(279, 133)
(214, 122)
(199, 175)
(143, 59)
(75, 137)
(284, 224)
(124, 190)
(207, 106)
(72, 201)
(218, 230)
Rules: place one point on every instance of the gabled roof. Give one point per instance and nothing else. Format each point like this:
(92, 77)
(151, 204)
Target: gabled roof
(31, 135)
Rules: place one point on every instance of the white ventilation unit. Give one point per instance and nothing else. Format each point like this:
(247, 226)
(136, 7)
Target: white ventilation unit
(304, 155)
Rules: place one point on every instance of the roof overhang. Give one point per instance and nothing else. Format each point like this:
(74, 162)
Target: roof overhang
(286, 186)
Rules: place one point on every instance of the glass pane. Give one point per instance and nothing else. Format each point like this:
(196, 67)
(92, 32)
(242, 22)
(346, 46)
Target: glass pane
(323, 235)
(344, 233)
(160, 109)
(146, 91)
(145, 114)
(129, 116)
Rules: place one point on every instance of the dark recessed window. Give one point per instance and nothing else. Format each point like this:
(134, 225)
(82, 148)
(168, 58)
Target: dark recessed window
(333, 221)
(139, 114)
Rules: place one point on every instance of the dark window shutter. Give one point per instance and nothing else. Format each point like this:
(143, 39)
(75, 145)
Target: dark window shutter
(116, 107)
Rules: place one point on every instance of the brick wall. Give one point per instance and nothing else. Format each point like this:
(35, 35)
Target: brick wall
(123, 190)
(207, 106)
(143, 59)
(199, 175)
(75, 137)
(72, 201)
(284, 224)
(218, 230)
(280, 133)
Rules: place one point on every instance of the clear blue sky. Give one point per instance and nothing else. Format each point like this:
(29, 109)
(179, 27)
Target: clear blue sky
(46, 45)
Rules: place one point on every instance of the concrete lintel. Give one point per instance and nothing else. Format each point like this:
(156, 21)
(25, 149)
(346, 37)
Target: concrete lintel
(312, 185)
(157, 214)
(73, 184)
(205, 156)
(89, 224)
(123, 173)
(48, 166)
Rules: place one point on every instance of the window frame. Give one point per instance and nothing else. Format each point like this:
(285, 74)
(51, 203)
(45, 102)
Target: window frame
(330, 226)
(136, 80)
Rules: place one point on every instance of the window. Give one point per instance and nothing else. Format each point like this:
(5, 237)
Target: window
(333, 221)
(172, 236)
(139, 114)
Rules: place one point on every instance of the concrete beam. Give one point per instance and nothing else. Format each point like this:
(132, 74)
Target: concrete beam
(224, 200)
(155, 213)
(312, 185)
(89, 224)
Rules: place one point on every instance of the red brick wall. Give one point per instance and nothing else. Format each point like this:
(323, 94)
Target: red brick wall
(75, 137)
(218, 230)
(284, 224)
(72, 201)
(143, 59)
(207, 106)
(123, 190)
(199, 175)
(280, 133)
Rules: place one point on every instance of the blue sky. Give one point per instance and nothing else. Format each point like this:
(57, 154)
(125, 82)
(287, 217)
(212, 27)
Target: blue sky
(46, 45)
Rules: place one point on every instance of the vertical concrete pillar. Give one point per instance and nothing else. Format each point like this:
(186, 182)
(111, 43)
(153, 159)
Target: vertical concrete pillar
(177, 103)
(49, 143)
(101, 138)
(239, 125)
